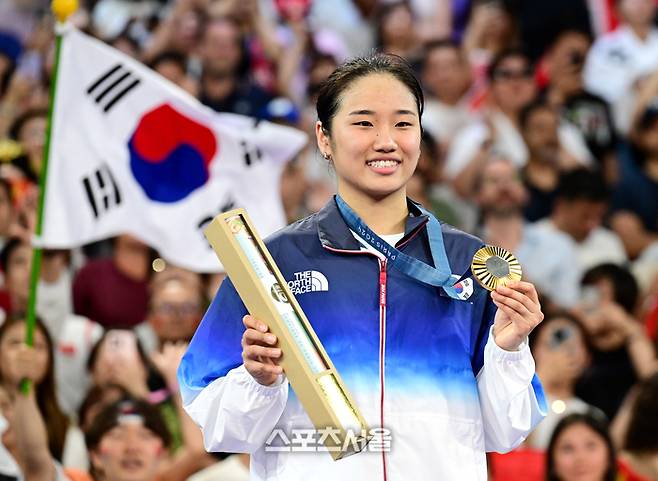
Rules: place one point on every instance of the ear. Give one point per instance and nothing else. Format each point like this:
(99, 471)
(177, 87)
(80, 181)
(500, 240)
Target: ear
(324, 143)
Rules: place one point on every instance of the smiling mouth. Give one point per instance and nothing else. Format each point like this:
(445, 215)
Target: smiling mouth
(380, 164)
(132, 464)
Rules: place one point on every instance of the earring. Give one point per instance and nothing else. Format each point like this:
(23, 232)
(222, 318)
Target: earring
(326, 156)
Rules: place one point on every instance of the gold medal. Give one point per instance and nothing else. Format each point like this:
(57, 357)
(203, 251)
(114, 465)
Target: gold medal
(493, 266)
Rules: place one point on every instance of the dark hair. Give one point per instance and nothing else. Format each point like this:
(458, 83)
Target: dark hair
(501, 57)
(25, 117)
(110, 416)
(169, 56)
(96, 395)
(596, 424)
(530, 108)
(582, 184)
(356, 68)
(439, 44)
(56, 422)
(5, 254)
(625, 289)
(559, 314)
(643, 425)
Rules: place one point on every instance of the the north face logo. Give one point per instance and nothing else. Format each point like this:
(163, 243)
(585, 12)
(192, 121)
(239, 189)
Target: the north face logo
(308, 281)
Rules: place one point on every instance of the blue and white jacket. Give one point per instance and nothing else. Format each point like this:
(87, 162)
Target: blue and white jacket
(417, 362)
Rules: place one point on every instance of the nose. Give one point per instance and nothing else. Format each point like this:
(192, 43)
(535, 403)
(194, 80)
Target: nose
(384, 140)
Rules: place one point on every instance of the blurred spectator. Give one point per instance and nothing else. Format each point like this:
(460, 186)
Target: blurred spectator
(6, 211)
(620, 58)
(588, 112)
(581, 448)
(539, 124)
(635, 217)
(114, 292)
(128, 440)
(559, 346)
(447, 78)
(512, 88)
(173, 66)
(16, 262)
(501, 197)
(621, 351)
(396, 31)
(639, 455)
(491, 30)
(24, 451)
(54, 297)
(29, 130)
(225, 82)
(176, 307)
(353, 20)
(581, 201)
(19, 362)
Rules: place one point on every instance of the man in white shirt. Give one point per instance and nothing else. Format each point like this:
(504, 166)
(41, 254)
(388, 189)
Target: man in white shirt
(581, 203)
(620, 58)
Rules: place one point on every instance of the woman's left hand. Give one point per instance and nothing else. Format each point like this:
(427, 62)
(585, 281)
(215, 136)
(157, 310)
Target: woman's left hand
(518, 314)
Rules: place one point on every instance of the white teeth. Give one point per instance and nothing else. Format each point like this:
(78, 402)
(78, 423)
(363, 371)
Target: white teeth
(382, 163)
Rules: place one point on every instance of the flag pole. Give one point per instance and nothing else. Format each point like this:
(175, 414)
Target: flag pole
(62, 9)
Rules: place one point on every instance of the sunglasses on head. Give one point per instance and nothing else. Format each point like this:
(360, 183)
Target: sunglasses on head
(511, 74)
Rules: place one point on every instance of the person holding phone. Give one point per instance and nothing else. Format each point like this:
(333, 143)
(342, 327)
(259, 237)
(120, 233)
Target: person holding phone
(445, 374)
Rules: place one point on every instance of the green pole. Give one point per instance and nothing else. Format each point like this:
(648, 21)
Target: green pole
(37, 251)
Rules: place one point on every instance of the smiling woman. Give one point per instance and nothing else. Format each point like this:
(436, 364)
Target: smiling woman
(440, 369)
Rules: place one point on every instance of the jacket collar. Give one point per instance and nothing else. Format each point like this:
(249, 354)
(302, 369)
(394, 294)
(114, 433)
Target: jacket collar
(335, 234)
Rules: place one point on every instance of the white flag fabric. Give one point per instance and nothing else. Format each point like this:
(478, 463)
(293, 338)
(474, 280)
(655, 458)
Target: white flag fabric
(132, 153)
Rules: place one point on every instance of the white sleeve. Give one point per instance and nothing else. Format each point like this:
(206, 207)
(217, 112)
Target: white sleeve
(511, 398)
(236, 413)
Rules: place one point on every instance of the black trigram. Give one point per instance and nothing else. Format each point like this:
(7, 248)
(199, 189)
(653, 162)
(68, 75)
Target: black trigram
(251, 153)
(112, 86)
(102, 190)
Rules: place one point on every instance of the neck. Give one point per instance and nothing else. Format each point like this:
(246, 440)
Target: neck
(386, 215)
(559, 390)
(641, 31)
(504, 230)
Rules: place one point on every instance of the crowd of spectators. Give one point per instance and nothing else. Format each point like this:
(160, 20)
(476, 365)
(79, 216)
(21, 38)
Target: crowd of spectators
(540, 135)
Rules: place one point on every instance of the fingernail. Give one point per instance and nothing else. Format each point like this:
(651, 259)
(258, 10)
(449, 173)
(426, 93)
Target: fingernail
(262, 327)
(270, 338)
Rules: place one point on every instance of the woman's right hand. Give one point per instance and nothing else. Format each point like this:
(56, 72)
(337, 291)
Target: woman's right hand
(259, 354)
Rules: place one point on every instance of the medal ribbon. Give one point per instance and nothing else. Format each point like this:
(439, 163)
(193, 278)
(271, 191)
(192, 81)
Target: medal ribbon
(438, 276)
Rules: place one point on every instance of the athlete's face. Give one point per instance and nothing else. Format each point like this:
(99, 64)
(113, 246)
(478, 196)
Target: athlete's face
(375, 138)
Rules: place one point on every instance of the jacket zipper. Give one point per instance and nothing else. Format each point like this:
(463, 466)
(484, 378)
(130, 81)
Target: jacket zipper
(382, 348)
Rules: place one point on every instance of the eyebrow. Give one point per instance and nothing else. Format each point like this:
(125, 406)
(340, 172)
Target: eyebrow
(370, 112)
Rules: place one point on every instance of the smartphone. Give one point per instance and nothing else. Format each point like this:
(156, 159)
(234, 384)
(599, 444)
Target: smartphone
(121, 345)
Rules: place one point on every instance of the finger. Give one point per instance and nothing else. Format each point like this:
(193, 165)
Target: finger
(515, 317)
(251, 336)
(519, 296)
(260, 369)
(527, 288)
(254, 352)
(251, 322)
(511, 302)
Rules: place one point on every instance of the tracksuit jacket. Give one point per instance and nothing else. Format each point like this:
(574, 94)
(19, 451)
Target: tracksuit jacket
(421, 366)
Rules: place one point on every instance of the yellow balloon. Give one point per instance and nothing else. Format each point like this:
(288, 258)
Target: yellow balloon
(63, 9)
